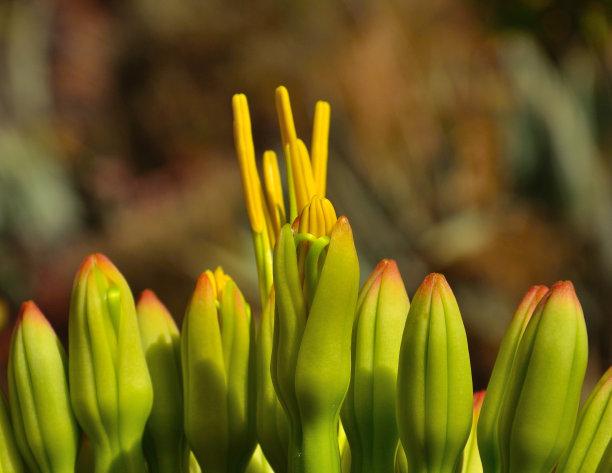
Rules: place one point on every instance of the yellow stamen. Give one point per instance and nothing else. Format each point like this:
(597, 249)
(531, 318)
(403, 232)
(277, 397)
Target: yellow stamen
(298, 161)
(318, 150)
(251, 184)
(274, 191)
(308, 179)
(285, 117)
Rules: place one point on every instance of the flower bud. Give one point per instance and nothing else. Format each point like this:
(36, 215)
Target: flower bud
(593, 430)
(45, 429)
(164, 439)
(311, 358)
(218, 375)
(110, 386)
(368, 412)
(434, 386)
(543, 392)
(488, 444)
(10, 461)
(470, 461)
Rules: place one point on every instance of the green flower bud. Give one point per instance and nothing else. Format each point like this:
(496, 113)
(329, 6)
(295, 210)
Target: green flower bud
(369, 413)
(470, 461)
(316, 284)
(10, 461)
(218, 375)
(434, 385)
(272, 423)
(543, 392)
(110, 386)
(593, 430)
(45, 429)
(164, 439)
(488, 444)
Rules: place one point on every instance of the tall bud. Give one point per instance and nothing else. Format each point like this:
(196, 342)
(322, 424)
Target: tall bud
(368, 412)
(316, 278)
(110, 386)
(164, 439)
(543, 392)
(45, 428)
(217, 353)
(434, 386)
(488, 443)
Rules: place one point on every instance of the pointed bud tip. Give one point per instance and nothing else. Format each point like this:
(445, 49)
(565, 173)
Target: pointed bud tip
(435, 280)
(30, 311)
(95, 260)
(148, 299)
(564, 291)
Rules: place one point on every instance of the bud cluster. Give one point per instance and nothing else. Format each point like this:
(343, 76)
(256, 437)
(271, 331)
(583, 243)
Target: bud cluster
(329, 378)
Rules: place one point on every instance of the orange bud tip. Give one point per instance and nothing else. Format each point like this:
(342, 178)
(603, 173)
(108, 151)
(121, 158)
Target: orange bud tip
(30, 311)
(564, 291)
(204, 287)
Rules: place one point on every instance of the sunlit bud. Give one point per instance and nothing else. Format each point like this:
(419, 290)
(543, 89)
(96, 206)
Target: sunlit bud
(434, 386)
(110, 386)
(311, 358)
(45, 429)
(217, 353)
(164, 440)
(593, 431)
(488, 444)
(368, 412)
(539, 408)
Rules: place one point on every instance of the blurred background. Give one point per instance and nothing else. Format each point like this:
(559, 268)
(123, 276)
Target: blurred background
(468, 137)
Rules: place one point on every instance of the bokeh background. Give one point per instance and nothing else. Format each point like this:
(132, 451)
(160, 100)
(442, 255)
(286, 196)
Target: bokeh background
(468, 137)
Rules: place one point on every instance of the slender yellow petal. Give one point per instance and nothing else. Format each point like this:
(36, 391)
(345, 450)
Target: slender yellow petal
(274, 192)
(318, 148)
(251, 184)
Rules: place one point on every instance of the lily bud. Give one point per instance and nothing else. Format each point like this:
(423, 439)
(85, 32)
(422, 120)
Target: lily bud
(10, 461)
(311, 358)
(45, 429)
(434, 386)
(272, 423)
(470, 462)
(488, 444)
(164, 439)
(368, 412)
(543, 392)
(110, 386)
(217, 355)
(593, 430)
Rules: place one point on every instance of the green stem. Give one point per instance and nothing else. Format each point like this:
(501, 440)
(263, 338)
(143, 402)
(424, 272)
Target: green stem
(120, 461)
(316, 449)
